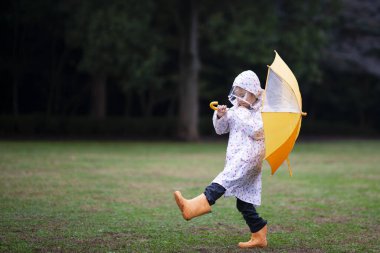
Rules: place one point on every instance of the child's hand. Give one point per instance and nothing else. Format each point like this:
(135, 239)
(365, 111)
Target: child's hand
(222, 109)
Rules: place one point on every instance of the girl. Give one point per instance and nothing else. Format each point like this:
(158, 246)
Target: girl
(241, 176)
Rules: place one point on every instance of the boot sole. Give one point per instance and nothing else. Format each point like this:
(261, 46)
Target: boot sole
(251, 247)
(180, 203)
(177, 197)
(254, 246)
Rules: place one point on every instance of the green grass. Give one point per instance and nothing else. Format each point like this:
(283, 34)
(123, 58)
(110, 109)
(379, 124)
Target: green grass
(117, 197)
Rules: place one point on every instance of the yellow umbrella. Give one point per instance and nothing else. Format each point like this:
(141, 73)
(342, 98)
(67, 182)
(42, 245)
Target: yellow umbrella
(281, 113)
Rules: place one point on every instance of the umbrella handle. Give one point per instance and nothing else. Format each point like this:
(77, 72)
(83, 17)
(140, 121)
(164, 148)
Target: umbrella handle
(304, 113)
(213, 105)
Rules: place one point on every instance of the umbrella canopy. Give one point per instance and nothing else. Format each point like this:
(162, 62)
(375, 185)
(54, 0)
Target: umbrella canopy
(281, 113)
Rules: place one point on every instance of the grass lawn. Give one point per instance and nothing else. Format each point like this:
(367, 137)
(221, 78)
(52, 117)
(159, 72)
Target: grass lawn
(117, 197)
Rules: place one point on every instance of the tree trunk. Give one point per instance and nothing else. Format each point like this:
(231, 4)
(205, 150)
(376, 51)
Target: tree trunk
(99, 96)
(15, 61)
(189, 69)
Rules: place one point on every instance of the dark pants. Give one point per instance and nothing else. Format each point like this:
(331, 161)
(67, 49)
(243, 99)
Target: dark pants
(214, 191)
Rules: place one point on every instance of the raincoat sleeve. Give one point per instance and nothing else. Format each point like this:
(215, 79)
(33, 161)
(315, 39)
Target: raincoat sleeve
(258, 124)
(221, 125)
(256, 128)
(252, 124)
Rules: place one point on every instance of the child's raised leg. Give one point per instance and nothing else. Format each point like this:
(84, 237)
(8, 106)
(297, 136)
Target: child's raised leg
(201, 204)
(256, 224)
(213, 192)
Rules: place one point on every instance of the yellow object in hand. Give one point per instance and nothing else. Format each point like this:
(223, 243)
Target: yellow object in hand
(213, 105)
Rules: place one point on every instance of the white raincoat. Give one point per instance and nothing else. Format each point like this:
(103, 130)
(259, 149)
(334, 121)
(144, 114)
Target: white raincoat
(241, 176)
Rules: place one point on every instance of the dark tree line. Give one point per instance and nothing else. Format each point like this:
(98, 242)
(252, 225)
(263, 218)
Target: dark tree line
(169, 58)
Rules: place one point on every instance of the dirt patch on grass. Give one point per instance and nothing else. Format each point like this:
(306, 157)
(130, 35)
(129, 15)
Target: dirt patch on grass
(322, 219)
(303, 250)
(104, 242)
(369, 235)
(275, 228)
(238, 230)
(114, 240)
(94, 209)
(221, 227)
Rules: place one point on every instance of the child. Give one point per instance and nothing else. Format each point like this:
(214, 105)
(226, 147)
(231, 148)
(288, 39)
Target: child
(241, 176)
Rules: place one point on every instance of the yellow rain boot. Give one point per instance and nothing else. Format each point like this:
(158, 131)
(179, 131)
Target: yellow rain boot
(258, 239)
(191, 208)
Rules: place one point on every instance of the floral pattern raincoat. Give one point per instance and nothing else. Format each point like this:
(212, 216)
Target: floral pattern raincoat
(241, 176)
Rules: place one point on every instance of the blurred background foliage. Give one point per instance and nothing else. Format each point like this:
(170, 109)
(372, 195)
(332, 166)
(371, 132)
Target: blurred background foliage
(113, 68)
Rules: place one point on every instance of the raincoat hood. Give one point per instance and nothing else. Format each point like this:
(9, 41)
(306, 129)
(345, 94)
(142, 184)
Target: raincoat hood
(249, 81)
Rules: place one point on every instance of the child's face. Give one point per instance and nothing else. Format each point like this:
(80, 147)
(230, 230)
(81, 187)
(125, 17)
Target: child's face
(248, 96)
